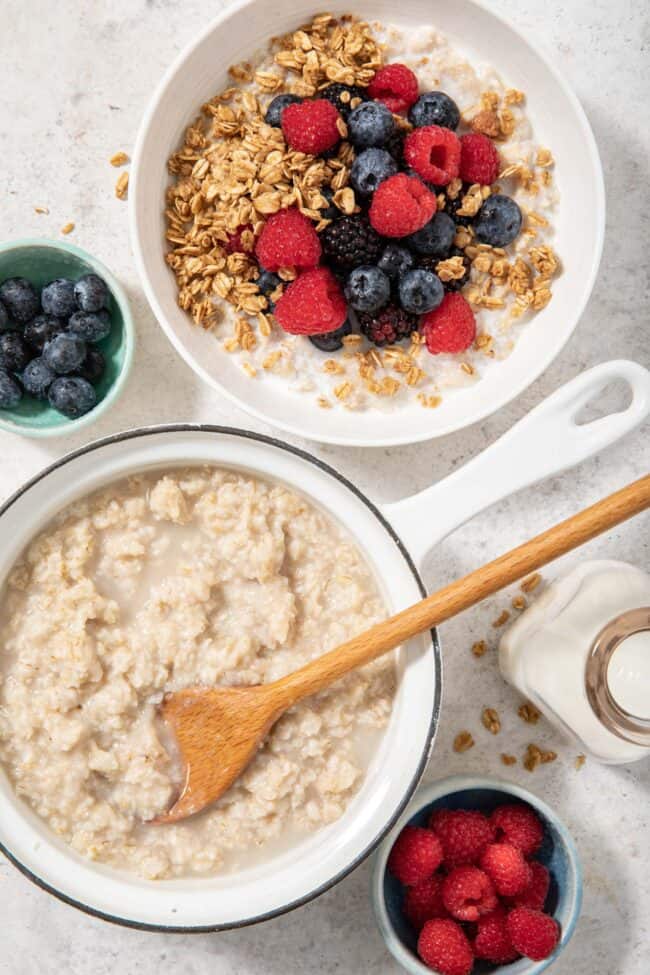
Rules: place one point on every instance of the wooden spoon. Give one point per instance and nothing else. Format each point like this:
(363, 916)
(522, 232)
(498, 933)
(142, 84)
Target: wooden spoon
(219, 729)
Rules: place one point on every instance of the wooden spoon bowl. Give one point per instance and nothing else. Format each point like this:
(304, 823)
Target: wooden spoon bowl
(220, 729)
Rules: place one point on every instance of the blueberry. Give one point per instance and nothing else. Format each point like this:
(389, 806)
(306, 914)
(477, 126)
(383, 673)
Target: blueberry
(37, 378)
(92, 368)
(499, 221)
(10, 392)
(341, 95)
(420, 291)
(268, 282)
(14, 352)
(42, 329)
(72, 396)
(274, 111)
(370, 124)
(395, 260)
(435, 108)
(330, 212)
(331, 341)
(92, 326)
(435, 238)
(367, 288)
(20, 299)
(57, 298)
(65, 353)
(91, 293)
(4, 317)
(370, 168)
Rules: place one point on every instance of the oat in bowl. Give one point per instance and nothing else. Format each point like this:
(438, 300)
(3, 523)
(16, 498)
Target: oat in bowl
(363, 216)
(163, 581)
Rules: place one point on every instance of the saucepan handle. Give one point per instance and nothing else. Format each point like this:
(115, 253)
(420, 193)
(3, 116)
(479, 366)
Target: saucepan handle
(545, 442)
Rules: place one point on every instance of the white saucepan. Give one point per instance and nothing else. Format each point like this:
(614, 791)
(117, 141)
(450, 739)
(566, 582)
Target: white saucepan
(395, 540)
(558, 120)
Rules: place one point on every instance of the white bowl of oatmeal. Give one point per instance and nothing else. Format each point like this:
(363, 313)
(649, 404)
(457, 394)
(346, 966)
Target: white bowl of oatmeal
(281, 378)
(173, 556)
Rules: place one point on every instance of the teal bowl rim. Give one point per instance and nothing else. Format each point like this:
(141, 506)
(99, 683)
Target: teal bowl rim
(119, 294)
(439, 790)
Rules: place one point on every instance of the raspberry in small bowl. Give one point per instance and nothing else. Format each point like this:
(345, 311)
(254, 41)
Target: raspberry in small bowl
(478, 876)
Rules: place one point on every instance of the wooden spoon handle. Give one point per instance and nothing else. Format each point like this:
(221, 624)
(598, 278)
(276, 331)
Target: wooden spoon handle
(463, 593)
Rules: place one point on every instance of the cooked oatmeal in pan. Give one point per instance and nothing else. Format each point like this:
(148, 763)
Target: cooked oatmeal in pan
(199, 576)
(238, 169)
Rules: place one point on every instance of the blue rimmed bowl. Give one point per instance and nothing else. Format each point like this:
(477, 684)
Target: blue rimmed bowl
(40, 260)
(558, 853)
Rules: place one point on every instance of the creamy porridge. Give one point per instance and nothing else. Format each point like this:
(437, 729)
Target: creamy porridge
(234, 171)
(193, 576)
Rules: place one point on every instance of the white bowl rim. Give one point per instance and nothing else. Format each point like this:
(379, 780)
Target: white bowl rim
(435, 653)
(547, 353)
(447, 787)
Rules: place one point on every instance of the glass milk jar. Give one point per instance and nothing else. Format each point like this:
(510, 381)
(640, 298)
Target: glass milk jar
(581, 654)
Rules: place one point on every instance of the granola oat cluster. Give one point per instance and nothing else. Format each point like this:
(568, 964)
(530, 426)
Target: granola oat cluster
(234, 170)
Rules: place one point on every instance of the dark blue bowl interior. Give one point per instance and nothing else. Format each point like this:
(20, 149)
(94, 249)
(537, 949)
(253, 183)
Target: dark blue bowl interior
(552, 854)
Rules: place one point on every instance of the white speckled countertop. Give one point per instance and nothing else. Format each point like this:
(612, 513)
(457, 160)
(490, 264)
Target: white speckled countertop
(75, 78)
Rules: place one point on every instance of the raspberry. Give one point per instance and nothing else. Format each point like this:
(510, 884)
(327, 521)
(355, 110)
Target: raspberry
(312, 304)
(416, 855)
(395, 86)
(387, 326)
(434, 153)
(311, 126)
(451, 327)
(517, 824)
(241, 241)
(464, 833)
(424, 902)
(505, 866)
(479, 159)
(288, 240)
(401, 205)
(534, 895)
(467, 893)
(443, 945)
(350, 242)
(532, 933)
(492, 941)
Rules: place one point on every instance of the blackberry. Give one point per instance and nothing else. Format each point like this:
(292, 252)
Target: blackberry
(389, 325)
(334, 92)
(349, 242)
(452, 206)
(430, 263)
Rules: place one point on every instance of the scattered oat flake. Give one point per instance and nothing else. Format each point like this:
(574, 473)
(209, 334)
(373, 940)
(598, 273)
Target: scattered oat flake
(119, 159)
(519, 603)
(579, 762)
(463, 741)
(491, 720)
(122, 186)
(479, 648)
(536, 756)
(531, 582)
(529, 713)
(503, 618)
(41, 210)
(67, 228)
(508, 759)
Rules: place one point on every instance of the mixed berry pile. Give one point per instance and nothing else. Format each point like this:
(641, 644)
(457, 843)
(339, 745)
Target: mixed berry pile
(473, 889)
(48, 342)
(375, 271)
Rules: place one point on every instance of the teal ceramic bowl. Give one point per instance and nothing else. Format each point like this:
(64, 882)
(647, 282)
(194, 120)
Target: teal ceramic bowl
(40, 261)
(558, 853)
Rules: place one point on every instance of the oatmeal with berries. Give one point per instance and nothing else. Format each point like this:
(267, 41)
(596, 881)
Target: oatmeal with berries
(199, 576)
(363, 216)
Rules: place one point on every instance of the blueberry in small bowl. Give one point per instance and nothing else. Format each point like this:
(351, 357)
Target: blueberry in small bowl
(66, 338)
(478, 873)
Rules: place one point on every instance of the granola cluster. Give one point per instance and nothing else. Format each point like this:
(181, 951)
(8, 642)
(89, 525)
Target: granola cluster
(234, 170)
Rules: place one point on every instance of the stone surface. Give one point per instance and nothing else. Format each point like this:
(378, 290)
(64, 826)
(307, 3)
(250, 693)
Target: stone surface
(76, 80)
